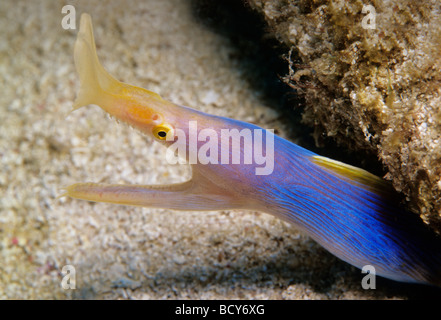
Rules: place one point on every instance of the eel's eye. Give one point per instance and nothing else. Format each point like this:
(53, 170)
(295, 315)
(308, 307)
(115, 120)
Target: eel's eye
(160, 132)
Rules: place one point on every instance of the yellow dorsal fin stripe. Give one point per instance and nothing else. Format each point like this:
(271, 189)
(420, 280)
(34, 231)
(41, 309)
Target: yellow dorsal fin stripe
(353, 174)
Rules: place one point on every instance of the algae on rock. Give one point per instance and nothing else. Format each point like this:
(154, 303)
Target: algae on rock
(374, 89)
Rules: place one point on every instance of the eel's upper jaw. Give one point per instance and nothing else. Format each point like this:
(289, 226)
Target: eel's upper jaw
(136, 106)
(94, 80)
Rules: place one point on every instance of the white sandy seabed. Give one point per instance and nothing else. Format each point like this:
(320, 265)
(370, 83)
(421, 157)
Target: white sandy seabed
(131, 252)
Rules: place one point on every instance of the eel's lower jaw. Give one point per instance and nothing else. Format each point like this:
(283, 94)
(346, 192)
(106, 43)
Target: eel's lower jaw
(82, 191)
(110, 193)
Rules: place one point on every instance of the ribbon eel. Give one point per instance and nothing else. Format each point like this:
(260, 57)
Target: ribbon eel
(347, 210)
